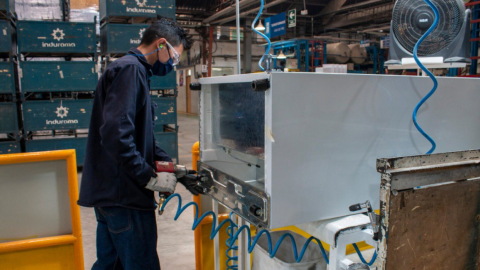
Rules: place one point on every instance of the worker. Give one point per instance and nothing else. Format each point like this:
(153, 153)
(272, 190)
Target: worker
(282, 64)
(122, 150)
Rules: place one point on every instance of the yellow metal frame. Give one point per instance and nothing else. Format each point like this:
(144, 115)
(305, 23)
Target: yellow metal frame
(75, 238)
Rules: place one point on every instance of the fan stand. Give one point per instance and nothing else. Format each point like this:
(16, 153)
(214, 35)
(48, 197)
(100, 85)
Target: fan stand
(428, 62)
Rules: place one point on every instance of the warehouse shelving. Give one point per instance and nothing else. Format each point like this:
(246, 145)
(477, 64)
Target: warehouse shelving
(135, 11)
(58, 77)
(10, 108)
(475, 36)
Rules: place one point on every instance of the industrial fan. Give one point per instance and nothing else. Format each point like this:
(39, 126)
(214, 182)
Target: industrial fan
(450, 39)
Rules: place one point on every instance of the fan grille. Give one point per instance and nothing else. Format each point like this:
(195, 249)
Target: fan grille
(408, 33)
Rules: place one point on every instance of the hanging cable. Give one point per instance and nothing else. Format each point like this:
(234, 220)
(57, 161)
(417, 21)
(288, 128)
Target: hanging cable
(430, 74)
(263, 35)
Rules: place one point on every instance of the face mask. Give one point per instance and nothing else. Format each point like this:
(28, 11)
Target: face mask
(162, 69)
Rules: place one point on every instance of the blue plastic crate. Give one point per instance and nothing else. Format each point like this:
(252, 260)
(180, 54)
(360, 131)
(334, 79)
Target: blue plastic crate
(57, 114)
(165, 82)
(54, 76)
(162, 82)
(5, 37)
(7, 78)
(119, 38)
(137, 8)
(55, 38)
(166, 111)
(79, 144)
(8, 118)
(10, 147)
(168, 141)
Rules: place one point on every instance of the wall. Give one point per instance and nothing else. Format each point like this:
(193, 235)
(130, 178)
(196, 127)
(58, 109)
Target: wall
(226, 52)
(182, 91)
(182, 95)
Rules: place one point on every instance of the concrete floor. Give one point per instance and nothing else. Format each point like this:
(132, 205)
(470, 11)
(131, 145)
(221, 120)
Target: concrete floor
(175, 238)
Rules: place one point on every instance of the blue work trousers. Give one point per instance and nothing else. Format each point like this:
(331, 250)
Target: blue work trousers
(126, 239)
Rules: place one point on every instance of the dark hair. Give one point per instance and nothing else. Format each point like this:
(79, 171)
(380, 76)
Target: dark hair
(169, 30)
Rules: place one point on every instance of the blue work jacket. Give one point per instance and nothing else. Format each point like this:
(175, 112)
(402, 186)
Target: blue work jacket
(121, 148)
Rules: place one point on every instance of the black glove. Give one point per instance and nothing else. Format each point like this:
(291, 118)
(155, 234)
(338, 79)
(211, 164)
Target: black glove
(190, 183)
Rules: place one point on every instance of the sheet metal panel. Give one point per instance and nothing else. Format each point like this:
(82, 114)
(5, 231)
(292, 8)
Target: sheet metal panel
(54, 76)
(137, 8)
(324, 133)
(7, 78)
(119, 38)
(79, 144)
(56, 37)
(9, 148)
(8, 118)
(57, 114)
(5, 36)
(342, 123)
(168, 141)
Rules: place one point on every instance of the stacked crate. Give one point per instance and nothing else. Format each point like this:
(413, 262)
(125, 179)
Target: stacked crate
(58, 77)
(9, 109)
(122, 27)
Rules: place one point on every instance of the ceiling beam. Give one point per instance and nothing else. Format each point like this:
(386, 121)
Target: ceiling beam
(361, 16)
(231, 18)
(349, 7)
(331, 7)
(228, 10)
(308, 4)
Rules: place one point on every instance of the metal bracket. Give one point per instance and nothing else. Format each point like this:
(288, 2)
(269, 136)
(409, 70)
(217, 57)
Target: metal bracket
(248, 202)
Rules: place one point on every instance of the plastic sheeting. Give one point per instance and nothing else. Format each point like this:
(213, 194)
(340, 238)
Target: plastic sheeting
(239, 118)
(51, 10)
(37, 10)
(86, 15)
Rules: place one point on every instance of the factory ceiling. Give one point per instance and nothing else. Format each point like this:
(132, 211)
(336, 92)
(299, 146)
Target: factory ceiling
(328, 16)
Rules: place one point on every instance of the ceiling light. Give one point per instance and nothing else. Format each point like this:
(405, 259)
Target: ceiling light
(260, 27)
(281, 56)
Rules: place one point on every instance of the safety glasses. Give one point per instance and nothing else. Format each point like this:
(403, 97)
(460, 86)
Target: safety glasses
(176, 56)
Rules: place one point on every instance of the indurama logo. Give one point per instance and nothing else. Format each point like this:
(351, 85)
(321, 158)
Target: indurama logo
(141, 3)
(58, 35)
(61, 113)
(140, 33)
(142, 7)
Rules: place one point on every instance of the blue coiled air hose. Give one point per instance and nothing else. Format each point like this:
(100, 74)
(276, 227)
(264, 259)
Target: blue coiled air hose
(430, 74)
(231, 247)
(272, 251)
(261, 34)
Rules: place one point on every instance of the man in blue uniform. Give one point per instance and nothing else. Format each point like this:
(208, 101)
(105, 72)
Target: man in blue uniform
(122, 150)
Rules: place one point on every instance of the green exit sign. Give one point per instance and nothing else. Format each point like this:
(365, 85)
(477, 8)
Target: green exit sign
(292, 18)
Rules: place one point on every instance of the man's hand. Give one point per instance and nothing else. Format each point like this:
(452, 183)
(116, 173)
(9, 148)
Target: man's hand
(163, 183)
(190, 183)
